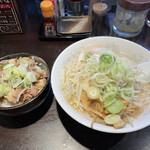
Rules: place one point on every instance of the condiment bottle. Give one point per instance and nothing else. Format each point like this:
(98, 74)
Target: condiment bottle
(49, 21)
(99, 19)
(130, 17)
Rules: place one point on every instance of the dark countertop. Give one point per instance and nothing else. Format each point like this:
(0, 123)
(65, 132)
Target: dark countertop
(56, 130)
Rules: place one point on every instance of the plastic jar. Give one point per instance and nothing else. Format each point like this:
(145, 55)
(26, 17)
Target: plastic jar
(130, 17)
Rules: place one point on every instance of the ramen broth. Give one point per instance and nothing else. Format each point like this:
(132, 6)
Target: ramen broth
(75, 84)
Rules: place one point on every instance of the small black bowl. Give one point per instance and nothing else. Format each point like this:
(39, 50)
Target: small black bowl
(34, 103)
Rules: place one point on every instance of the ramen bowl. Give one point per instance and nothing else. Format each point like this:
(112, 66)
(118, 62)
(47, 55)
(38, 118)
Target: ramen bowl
(135, 51)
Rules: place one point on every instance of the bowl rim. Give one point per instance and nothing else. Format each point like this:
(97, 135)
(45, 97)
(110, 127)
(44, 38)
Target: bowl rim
(16, 55)
(75, 115)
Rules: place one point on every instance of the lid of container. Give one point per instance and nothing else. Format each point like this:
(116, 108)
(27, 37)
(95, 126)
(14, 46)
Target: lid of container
(46, 6)
(135, 5)
(100, 8)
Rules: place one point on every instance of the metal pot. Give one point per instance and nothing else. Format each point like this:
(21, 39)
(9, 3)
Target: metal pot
(36, 101)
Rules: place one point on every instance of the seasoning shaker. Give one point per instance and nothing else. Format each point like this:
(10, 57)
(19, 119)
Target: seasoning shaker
(130, 17)
(91, 3)
(99, 19)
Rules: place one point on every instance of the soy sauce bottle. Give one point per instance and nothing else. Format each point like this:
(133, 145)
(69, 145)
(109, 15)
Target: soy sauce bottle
(49, 21)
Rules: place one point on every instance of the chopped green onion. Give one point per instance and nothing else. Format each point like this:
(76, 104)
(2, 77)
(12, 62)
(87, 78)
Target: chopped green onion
(109, 96)
(24, 61)
(127, 93)
(115, 107)
(130, 75)
(26, 83)
(93, 64)
(100, 80)
(93, 92)
(16, 71)
(112, 119)
(109, 102)
(8, 66)
(22, 70)
(7, 88)
(3, 65)
(30, 76)
(118, 71)
(83, 61)
(7, 71)
(111, 88)
(6, 74)
(15, 81)
(107, 59)
(105, 68)
(93, 68)
(125, 62)
(88, 55)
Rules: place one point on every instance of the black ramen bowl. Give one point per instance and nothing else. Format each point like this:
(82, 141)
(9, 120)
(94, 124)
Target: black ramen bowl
(7, 113)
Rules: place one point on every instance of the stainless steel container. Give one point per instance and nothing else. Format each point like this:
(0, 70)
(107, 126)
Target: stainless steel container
(37, 100)
(25, 114)
(74, 25)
